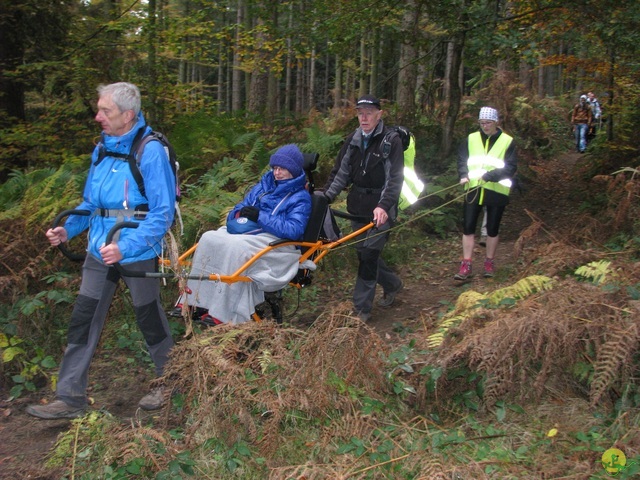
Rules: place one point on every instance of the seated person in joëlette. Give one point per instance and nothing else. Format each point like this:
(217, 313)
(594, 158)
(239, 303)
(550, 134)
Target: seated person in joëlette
(278, 207)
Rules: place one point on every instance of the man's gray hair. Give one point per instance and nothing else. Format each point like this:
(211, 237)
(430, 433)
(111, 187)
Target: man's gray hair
(125, 95)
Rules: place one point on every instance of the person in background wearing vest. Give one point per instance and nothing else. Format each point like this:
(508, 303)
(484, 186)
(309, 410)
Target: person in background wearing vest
(487, 164)
(581, 119)
(596, 111)
(375, 182)
(111, 194)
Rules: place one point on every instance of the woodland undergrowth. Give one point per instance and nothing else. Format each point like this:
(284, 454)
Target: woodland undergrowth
(538, 375)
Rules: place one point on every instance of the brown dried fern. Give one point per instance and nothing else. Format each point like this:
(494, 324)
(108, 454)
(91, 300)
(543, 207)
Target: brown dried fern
(259, 374)
(613, 355)
(524, 351)
(432, 469)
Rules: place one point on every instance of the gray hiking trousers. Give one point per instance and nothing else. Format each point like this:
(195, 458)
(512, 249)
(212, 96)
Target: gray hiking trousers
(372, 269)
(87, 321)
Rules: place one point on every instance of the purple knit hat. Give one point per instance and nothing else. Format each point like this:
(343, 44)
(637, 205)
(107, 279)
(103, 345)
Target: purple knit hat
(289, 157)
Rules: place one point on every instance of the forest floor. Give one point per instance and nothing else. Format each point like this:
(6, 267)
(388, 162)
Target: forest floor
(116, 386)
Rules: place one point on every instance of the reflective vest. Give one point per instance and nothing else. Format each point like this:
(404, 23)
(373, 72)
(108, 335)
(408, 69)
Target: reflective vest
(482, 160)
(412, 186)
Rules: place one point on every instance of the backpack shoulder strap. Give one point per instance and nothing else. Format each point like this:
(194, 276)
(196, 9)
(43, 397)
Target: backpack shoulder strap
(399, 131)
(103, 152)
(134, 158)
(386, 142)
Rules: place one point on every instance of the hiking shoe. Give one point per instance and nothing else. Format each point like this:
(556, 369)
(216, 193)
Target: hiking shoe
(55, 410)
(483, 241)
(465, 270)
(364, 316)
(195, 312)
(154, 400)
(489, 267)
(388, 298)
(207, 320)
(177, 311)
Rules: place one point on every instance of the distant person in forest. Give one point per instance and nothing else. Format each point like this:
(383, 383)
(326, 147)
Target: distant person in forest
(111, 194)
(596, 111)
(487, 164)
(581, 119)
(375, 182)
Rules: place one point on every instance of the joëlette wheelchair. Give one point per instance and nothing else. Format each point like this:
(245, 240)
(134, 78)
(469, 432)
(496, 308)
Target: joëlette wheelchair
(316, 242)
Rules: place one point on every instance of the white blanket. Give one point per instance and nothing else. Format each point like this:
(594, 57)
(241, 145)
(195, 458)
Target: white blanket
(220, 252)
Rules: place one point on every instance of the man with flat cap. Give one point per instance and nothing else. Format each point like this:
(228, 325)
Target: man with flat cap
(374, 178)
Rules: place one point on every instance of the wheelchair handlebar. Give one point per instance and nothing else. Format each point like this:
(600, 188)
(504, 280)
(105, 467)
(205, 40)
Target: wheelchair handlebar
(123, 271)
(76, 257)
(348, 216)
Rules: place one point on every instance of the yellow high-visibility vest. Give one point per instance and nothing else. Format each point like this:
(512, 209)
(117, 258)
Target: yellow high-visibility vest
(482, 160)
(412, 186)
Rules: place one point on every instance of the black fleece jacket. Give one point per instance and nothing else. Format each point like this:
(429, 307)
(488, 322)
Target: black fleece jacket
(373, 181)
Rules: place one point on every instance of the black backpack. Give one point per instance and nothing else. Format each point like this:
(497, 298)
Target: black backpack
(413, 186)
(404, 134)
(137, 147)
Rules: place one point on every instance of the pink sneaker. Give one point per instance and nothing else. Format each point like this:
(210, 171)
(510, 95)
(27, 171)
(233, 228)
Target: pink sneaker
(489, 267)
(465, 270)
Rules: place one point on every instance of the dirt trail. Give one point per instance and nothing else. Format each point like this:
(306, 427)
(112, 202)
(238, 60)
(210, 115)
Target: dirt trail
(26, 441)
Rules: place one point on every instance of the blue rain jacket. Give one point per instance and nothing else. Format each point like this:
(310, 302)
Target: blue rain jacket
(285, 206)
(111, 185)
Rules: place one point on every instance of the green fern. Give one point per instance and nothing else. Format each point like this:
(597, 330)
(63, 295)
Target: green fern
(597, 272)
(522, 289)
(318, 141)
(40, 195)
(209, 199)
(470, 300)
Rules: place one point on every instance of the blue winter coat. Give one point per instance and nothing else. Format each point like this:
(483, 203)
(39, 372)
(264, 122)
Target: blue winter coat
(285, 206)
(111, 185)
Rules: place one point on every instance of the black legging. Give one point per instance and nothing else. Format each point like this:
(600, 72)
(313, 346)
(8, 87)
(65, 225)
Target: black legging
(471, 212)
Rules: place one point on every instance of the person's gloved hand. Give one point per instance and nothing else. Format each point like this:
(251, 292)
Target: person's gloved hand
(489, 177)
(321, 193)
(250, 212)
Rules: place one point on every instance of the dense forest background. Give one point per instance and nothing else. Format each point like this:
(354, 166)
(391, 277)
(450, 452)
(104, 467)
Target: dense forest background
(228, 82)
(275, 62)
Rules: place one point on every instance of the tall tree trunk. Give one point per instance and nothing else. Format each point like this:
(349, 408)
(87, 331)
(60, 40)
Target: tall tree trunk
(152, 85)
(540, 88)
(326, 87)
(273, 96)
(375, 50)
(337, 87)
(220, 77)
(455, 97)
(312, 80)
(289, 66)
(448, 72)
(299, 100)
(257, 100)
(610, 90)
(348, 85)
(11, 55)
(364, 68)
(236, 80)
(525, 75)
(408, 70)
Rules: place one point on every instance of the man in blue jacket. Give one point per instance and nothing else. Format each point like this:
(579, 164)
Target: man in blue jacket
(111, 194)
